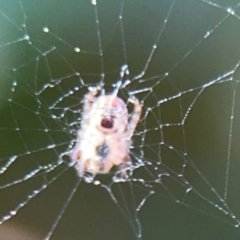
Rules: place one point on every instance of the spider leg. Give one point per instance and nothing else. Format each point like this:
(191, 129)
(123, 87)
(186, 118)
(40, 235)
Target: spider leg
(78, 162)
(136, 114)
(106, 166)
(88, 99)
(81, 167)
(124, 168)
(75, 154)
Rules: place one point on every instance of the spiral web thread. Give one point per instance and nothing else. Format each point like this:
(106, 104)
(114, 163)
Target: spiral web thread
(53, 98)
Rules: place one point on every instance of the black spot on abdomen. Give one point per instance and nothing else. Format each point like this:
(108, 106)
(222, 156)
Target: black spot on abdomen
(102, 151)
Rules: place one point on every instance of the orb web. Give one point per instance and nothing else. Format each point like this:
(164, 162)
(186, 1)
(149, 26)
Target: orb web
(180, 58)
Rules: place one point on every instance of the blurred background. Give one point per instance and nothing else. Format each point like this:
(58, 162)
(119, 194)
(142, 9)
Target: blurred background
(187, 53)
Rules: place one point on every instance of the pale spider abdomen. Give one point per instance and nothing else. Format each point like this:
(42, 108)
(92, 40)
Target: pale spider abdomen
(105, 134)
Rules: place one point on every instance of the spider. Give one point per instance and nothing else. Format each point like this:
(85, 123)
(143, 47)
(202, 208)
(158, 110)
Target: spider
(104, 138)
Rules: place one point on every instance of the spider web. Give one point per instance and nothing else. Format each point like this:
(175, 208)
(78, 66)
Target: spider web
(180, 58)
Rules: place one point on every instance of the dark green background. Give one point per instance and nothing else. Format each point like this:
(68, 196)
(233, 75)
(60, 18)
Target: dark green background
(191, 61)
